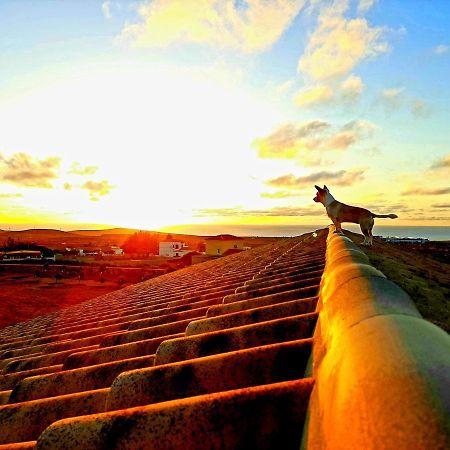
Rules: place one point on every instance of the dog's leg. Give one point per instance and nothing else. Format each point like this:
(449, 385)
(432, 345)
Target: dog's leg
(371, 223)
(337, 225)
(366, 225)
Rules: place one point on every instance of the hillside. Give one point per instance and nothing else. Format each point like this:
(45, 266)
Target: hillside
(424, 276)
(57, 239)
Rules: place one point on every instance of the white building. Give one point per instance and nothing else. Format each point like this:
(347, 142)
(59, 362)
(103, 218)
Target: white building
(172, 248)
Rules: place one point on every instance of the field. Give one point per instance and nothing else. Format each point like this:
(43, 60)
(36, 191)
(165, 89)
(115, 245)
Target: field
(23, 296)
(424, 273)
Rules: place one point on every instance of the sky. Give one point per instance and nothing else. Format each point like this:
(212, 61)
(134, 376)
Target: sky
(171, 114)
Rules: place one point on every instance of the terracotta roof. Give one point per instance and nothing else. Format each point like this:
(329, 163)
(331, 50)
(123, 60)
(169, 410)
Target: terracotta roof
(210, 356)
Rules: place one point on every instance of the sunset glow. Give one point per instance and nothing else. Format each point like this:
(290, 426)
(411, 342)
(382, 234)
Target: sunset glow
(166, 113)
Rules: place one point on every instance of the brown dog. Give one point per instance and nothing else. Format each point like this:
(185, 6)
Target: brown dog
(339, 212)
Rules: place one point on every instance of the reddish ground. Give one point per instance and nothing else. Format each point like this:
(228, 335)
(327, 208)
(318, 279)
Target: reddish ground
(23, 296)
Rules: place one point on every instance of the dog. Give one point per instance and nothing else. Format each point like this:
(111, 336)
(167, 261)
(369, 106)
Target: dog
(340, 212)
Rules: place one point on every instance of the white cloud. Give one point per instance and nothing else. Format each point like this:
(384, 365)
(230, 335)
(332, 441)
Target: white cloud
(106, 9)
(339, 44)
(252, 26)
(441, 49)
(365, 5)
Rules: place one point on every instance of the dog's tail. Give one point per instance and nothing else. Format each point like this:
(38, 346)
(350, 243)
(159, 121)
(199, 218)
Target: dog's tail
(385, 216)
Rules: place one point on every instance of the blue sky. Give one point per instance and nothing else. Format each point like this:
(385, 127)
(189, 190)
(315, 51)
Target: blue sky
(104, 101)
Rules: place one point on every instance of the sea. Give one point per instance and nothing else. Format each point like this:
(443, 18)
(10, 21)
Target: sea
(436, 233)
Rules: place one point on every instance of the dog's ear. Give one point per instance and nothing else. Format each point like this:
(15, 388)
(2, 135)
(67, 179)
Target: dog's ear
(325, 188)
(317, 187)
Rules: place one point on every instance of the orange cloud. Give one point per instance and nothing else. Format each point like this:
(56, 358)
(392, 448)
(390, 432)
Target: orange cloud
(313, 95)
(420, 191)
(278, 194)
(279, 211)
(23, 170)
(80, 170)
(97, 189)
(443, 163)
(338, 178)
(252, 27)
(309, 140)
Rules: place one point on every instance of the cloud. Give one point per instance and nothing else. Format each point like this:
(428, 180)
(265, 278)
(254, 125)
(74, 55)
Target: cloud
(97, 189)
(347, 91)
(79, 170)
(339, 44)
(419, 108)
(309, 140)
(106, 9)
(393, 97)
(338, 178)
(279, 211)
(365, 5)
(22, 169)
(441, 49)
(443, 163)
(313, 95)
(396, 97)
(288, 140)
(279, 194)
(351, 88)
(11, 195)
(247, 26)
(285, 87)
(420, 191)
(441, 205)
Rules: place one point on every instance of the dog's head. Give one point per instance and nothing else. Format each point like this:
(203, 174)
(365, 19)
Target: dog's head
(321, 194)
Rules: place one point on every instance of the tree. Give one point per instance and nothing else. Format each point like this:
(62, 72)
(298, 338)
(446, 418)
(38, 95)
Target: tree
(141, 243)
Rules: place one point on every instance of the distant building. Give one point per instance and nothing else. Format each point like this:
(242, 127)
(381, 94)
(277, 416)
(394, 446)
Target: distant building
(173, 249)
(25, 252)
(218, 245)
(111, 251)
(405, 240)
(22, 255)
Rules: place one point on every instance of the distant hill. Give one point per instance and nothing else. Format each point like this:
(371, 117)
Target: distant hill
(57, 239)
(116, 231)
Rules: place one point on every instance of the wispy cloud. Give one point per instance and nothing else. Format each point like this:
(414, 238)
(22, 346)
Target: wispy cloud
(77, 169)
(393, 97)
(106, 9)
(396, 97)
(279, 211)
(441, 49)
(442, 163)
(339, 44)
(421, 191)
(441, 206)
(251, 26)
(309, 140)
(11, 195)
(279, 194)
(22, 169)
(365, 5)
(337, 178)
(97, 189)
